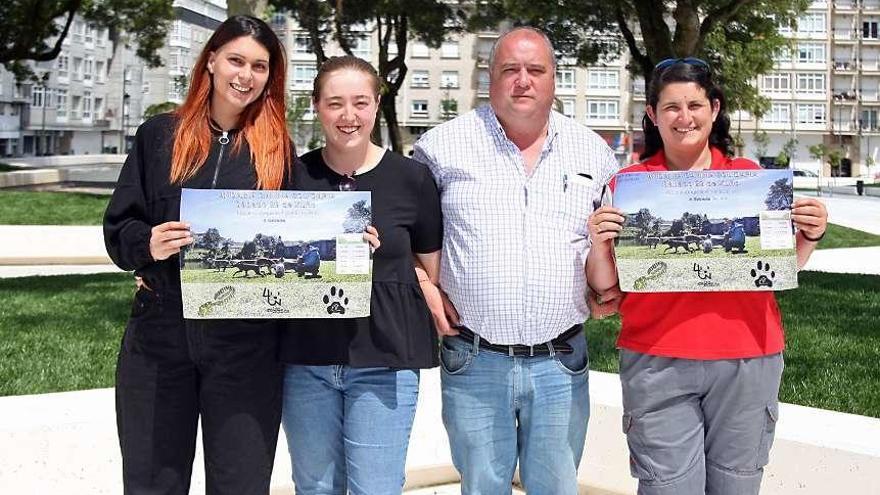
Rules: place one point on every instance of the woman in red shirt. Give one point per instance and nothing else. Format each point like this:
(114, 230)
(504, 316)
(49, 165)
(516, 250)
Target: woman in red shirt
(700, 371)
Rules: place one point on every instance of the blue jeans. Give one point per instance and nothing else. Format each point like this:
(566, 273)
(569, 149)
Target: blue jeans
(498, 408)
(348, 428)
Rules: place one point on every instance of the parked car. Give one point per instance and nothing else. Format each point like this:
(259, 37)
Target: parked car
(803, 173)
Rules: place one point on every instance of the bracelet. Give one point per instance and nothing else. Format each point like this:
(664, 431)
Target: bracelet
(813, 239)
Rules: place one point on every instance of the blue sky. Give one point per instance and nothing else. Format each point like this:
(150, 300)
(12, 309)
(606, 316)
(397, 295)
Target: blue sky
(307, 216)
(718, 194)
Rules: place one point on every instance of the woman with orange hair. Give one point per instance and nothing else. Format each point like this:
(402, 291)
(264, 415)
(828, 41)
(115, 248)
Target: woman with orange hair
(230, 133)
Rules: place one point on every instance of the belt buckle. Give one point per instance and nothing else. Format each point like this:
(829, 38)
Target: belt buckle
(531, 351)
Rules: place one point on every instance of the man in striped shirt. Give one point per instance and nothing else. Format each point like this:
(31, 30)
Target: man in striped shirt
(517, 183)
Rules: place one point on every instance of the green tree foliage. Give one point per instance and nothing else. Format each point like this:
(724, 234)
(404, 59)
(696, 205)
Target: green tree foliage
(358, 216)
(780, 196)
(786, 153)
(737, 37)
(35, 29)
(210, 240)
(254, 8)
(396, 22)
(159, 108)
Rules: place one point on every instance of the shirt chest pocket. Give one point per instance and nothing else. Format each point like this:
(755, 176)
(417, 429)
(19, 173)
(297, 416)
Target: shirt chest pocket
(574, 207)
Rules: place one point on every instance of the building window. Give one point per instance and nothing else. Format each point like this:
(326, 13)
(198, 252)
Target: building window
(420, 50)
(782, 55)
(603, 79)
(303, 76)
(87, 106)
(180, 32)
(776, 83)
(178, 60)
(301, 43)
(99, 108)
(869, 120)
(483, 80)
(100, 76)
(812, 23)
(449, 79)
(61, 103)
(101, 37)
(779, 113)
(90, 33)
(37, 97)
(810, 113)
(811, 83)
(77, 69)
(419, 108)
(88, 69)
(75, 106)
(869, 30)
(449, 49)
(568, 107)
(420, 79)
(565, 79)
(602, 110)
(811, 53)
(361, 47)
(63, 65)
(79, 31)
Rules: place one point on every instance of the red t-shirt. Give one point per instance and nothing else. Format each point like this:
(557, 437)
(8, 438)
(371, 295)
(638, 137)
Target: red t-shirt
(700, 325)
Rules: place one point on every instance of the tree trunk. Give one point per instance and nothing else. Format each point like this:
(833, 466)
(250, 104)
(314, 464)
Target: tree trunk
(389, 112)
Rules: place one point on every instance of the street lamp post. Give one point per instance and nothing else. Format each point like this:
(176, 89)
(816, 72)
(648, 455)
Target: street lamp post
(43, 84)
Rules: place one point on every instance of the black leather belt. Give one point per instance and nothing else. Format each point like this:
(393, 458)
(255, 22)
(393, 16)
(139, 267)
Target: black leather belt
(560, 343)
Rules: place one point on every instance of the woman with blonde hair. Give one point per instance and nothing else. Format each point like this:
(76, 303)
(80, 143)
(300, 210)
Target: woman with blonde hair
(351, 385)
(230, 133)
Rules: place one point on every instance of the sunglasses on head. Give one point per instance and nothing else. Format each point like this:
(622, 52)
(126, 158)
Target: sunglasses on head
(669, 62)
(348, 183)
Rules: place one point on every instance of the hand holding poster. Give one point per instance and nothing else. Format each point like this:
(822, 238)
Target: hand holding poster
(275, 254)
(706, 231)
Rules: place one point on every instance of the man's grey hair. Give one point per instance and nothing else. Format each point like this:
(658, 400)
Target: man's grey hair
(542, 34)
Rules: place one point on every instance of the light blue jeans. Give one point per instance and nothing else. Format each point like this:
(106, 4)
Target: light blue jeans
(498, 408)
(348, 428)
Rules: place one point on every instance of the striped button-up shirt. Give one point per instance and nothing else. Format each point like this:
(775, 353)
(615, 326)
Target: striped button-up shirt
(514, 244)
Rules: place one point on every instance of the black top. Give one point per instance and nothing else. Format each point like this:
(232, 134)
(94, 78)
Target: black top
(144, 197)
(399, 332)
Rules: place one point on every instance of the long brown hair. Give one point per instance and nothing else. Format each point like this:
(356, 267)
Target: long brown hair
(263, 121)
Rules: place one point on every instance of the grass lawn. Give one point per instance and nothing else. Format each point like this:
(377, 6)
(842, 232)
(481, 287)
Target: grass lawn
(832, 338)
(845, 237)
(51, 208)
(5, 167)
(61, 333)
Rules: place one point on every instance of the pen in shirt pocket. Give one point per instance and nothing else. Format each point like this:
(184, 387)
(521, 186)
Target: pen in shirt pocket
(598, 201)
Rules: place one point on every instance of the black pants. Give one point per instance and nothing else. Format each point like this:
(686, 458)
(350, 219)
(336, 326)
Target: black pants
(170, 372)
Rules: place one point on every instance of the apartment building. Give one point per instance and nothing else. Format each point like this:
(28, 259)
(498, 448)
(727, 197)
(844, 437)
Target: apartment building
(63, 111)
(92, 97)
(826, 89)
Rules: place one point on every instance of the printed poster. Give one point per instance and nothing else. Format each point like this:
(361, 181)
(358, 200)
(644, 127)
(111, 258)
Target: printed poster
(276, 254)
(706, 231)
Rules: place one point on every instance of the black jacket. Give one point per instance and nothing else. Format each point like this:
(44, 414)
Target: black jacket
(144, 198)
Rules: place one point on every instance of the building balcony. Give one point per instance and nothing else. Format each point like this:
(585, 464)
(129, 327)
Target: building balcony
(844, 6)
(845, 66)
(845, 35)
(844, 96)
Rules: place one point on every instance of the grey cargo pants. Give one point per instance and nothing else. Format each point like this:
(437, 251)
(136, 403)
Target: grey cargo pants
(699, 426)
